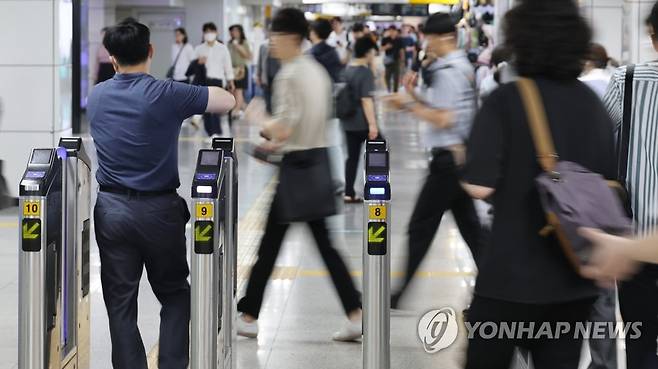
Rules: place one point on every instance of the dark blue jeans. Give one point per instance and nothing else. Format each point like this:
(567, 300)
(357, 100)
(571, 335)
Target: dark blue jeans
(133, 233)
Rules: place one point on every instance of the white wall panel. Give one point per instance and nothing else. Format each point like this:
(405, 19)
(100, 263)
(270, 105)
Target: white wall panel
(27, 98)
(607, 27)
(26, 32)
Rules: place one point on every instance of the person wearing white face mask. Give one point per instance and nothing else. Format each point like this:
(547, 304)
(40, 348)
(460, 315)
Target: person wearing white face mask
(216, 58)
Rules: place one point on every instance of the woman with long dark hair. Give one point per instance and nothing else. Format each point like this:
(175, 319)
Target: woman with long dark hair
(240, 57)
(182, 54)
(524, 277)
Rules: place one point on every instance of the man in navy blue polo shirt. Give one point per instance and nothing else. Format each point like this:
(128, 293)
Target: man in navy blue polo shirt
(139, 218)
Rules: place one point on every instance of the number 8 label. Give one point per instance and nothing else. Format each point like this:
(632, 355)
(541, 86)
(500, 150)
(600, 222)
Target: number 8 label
(377, 212)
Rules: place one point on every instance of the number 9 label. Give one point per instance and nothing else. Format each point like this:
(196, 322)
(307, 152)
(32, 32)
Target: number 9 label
(205, 210)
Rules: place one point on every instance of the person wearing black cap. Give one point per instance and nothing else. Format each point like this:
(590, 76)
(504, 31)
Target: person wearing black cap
(301, 107)
(448, 106)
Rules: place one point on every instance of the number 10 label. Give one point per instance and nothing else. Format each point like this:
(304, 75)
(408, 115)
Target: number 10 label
(31, 209)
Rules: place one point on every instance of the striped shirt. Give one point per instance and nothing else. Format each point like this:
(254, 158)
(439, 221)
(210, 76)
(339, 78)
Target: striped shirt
(451, 89)
(642, 173)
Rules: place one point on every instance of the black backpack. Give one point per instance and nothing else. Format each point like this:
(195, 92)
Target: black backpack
(346, 101)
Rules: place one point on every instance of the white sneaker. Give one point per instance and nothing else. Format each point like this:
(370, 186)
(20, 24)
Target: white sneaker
(246, 329)
(350, 331)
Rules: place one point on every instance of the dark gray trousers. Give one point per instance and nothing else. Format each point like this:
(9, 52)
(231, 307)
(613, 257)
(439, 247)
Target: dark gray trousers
(604, 351)
(133, 233)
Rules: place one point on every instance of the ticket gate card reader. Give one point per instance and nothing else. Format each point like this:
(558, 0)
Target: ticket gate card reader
(206, 262)
(54, 259)
(229, 217)
(376, 258)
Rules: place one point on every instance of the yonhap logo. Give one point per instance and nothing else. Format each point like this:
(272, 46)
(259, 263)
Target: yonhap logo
(437, 329)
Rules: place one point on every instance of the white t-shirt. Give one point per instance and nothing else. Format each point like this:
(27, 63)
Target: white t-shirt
(184, 60)
(340, 42)
(218, 63)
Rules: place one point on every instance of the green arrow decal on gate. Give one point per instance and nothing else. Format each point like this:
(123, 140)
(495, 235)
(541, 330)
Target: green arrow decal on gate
(31, 233)
(202, 235)
(374, 236)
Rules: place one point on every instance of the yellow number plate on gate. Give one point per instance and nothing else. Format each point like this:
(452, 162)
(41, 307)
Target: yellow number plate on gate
(205, 210)
(31, 209)
(377, 212)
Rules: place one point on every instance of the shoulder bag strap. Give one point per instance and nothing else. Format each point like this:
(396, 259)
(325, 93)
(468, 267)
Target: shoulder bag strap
(625, 131)
(539, 129)
(178, 55)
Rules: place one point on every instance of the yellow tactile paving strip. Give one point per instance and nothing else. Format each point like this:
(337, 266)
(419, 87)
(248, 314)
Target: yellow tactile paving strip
(250, 230)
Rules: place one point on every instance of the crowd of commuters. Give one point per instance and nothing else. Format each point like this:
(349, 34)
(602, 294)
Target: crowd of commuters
(480, 144)
(213, 63)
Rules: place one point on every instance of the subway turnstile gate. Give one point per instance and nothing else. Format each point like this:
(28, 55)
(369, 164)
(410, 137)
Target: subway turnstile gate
(214, 258)
(376, 258)
(229, 217)
(55, 203)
